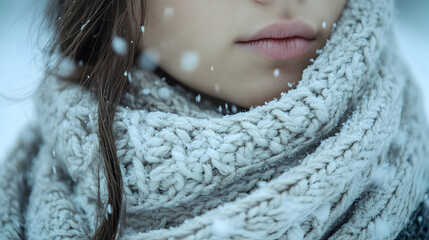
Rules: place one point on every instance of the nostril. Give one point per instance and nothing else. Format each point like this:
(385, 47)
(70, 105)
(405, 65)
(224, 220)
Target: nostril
(263, 1)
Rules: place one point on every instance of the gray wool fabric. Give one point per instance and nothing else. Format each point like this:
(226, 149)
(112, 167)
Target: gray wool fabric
(344, 155)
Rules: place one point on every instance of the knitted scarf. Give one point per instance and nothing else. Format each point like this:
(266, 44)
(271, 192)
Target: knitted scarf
(341, 156)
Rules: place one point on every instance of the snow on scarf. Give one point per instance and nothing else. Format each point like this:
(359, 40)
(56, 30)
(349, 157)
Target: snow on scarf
(341, 156)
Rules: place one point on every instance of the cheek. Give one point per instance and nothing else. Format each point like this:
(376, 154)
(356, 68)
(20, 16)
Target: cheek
(332, 10)
(320, 11)
(323, 14)
(184, 20)
(172, 26)
(185, 35)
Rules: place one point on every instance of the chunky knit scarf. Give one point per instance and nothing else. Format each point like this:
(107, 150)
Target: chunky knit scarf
(343, 155)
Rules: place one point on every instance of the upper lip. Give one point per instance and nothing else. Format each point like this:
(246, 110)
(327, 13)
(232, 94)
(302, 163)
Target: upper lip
(281, 30)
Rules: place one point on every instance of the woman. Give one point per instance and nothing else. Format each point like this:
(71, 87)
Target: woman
(221, 120)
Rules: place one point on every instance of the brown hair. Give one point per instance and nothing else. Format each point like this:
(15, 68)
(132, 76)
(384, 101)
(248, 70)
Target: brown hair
(83, 32)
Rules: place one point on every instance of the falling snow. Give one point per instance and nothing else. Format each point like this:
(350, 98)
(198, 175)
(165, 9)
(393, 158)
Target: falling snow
(426, 200)
(149, 59)
(119, 46)
(164, 93)
(379, 175)
(216, 87)
(190, 61)
(66, 67)
(109, 209)
(54, 170)
(223, 228)
(146, 91)
(84, 25)
(168, 12)
(142, 28)
(381, 229)
(198, 98)
(289, 84)
(323, 25)
(212, 68)
(276, 72)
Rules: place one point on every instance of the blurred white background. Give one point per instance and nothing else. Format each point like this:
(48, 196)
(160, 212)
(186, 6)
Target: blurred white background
(21, 62)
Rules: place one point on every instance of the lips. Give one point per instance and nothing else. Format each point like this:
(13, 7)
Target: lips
(281, 40)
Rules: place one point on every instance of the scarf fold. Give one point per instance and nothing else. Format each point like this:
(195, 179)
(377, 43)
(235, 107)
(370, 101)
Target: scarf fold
(343, 155)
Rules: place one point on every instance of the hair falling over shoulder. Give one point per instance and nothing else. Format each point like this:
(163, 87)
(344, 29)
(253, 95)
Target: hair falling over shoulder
(83, 32)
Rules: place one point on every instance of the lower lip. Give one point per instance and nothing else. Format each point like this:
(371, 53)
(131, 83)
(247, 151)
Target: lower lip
(286, 48)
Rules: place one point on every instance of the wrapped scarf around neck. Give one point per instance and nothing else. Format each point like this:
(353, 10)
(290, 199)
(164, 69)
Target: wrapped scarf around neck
(341, 156)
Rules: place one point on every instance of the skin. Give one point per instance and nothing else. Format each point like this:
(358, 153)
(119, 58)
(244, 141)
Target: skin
(211, 28)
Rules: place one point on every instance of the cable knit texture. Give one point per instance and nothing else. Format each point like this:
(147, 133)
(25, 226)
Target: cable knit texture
(344, 155)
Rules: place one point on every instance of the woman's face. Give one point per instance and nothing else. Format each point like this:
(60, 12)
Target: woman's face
(197, 44)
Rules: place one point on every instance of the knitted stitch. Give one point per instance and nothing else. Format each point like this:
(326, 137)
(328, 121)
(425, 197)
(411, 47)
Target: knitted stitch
(342, 156)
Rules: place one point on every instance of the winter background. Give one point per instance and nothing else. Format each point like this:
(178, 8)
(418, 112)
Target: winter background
(21, 63)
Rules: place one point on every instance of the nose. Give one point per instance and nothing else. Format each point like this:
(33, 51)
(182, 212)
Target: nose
(263, 1)
(269, 1)
(280, 3)
(286, 8)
